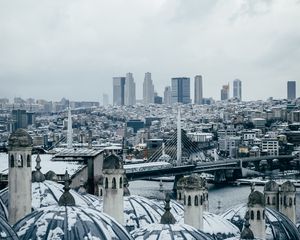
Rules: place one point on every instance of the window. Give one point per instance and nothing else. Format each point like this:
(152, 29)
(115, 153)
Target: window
(20, 160)
(258, 215)
(121, 182)
(201, 200)
(12, 161)
(252, 215)
(184, 200)
(101, 192)
(189, 201)
(263, 214)
(268, 200)
(114, 184)
(179, 196)
(28, 161)
(106, 183)
(196, 201)
(273, 201)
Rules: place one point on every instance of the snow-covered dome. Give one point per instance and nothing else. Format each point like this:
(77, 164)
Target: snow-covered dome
(6, 232)
(271, 186)
(47, 193)
(278, 226)
(168, 229)
(169, 232)
(69, 221)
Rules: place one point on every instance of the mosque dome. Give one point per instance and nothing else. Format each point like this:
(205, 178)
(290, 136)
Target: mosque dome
(271, 186)
(6, 231)
(169, 232)
(20, 138)
(278, 226)
(69, 221)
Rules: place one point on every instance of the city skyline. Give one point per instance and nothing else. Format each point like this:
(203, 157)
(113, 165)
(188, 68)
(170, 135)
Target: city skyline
(68, 44)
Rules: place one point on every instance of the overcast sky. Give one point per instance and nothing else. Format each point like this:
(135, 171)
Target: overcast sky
(71, 48)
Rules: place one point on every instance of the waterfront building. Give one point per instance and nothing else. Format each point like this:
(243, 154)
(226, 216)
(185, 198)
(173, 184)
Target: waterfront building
(181, 90)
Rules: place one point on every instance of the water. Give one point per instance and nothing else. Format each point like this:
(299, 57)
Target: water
(229, 196)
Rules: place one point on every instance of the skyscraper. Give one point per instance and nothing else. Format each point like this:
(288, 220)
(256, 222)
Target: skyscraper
(129, 90)
(181, 90)
(168, 95)
(148, 89)
(237, 89)
(291, 90)
(225, 92)
(105, 99)
(198, 90)
(118, 90)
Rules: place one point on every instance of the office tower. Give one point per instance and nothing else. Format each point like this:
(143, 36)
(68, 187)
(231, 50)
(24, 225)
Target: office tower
(148, 89)
(225, 92)
(237, 89)
(181, 90)
(105, 99)
(198, 90)
(167, 95)
(129, 90)
(21, 119)
(118, 90)
(291, 90)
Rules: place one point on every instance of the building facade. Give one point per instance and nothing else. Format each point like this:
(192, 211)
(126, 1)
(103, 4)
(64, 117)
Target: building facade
(181, 90)
(237, 89)
(118, 90)
(225, 92)
(168, 95)
(148, 89)
(198, 90)
(130, 98)
(291, 90)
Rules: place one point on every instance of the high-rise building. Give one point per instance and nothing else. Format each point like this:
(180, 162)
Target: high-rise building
(118, 90)
(291, 90)
(237, 89)
(148, 89)
(181, 90)
(22, 118)
(198, 90)
(167, 95)
(129, 90)
(225, 92)
(105, 99)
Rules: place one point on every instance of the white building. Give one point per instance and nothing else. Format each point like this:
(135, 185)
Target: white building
(130, 98)
(271, 146)
(148, 89)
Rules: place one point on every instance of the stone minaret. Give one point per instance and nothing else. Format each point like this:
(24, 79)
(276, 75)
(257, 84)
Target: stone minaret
(271, 192)
(180, 189)
(193, 201)
(256, 209)
(205, 196)
(113, 182)
(19, 175)
(287, 204)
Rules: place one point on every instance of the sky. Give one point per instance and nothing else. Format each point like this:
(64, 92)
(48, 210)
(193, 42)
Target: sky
(52, 49)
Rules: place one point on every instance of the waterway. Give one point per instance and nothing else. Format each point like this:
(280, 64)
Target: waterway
(220, 197)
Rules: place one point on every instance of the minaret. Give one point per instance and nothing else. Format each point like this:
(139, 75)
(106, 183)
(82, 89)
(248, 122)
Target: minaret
(167, 217)
(193, 201)
(180, 190)
(113, 180)
(70, 130)
(205, 196)
(37, 175)
(271, 192)
(247, 234)
(256, 209)
(287, 204)
(19, 175)
(179, 147)
(66, 199)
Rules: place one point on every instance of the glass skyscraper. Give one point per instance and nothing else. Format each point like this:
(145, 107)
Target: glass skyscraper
(181, 90)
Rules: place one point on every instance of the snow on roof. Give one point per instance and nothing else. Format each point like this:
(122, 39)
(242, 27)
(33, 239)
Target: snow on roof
(59, 167)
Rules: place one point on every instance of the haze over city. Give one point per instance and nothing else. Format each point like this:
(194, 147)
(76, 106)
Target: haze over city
(73, 49)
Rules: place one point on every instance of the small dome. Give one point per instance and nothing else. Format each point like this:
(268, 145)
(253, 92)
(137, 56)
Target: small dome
(69, 222)
(194, 181)
(271, 186)
(6, 231)
(169, 232)
(112, 162)
(278, 226)
(256, 197)
(50, 175)
(20, 138)
(181, 183)
(288, 187)
(48, 193)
